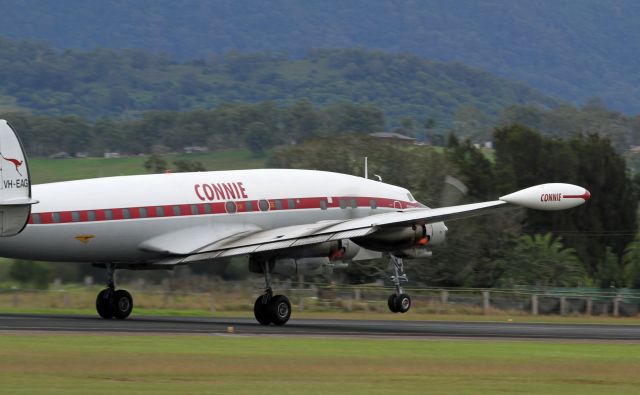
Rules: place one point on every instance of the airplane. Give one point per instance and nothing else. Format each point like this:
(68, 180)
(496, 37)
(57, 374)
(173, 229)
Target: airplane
(287, 222)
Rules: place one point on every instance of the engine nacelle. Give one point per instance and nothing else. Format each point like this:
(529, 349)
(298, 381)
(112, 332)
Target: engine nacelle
(293, 266)
(396, 239)
(314, 259)
(338, 250)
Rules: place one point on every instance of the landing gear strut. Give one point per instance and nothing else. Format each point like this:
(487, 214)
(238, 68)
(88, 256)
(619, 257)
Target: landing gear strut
(269, 308)
(111, 303)
(398, 302)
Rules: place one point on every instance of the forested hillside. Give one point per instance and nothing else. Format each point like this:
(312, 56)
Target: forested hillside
(123, 83)
(575, 50)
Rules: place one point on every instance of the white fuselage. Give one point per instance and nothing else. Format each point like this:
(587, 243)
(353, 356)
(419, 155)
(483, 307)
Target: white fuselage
(127, 219)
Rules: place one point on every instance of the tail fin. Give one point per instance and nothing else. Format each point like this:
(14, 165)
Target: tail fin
(15, 183)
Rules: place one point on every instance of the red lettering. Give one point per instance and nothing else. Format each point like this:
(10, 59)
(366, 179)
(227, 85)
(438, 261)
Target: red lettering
(229, 191)
(218, 190)
(235, 186)
(208, 191)
(551, 197)
(197, 189)
(243, 192)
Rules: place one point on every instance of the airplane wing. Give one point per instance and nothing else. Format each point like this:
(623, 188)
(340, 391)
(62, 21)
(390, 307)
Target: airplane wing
(249, 242)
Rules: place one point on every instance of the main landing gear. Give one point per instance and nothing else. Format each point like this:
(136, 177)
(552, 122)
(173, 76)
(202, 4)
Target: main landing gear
(398, 302)
(269, 308)
(111, 303)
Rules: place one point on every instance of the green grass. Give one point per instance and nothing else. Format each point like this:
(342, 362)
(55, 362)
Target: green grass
(234, 364)
(50, 170)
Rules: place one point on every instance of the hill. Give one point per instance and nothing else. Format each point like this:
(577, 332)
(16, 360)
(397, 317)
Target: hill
(123, 83)
(574, 50)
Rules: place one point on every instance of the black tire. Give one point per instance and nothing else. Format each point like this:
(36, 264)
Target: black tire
(391, 302)
(260, 310)
(403, 303)
(104, 303)
(279, 309)
(122, 304)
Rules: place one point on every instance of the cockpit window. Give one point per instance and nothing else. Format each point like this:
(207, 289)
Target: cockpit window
(410, 196)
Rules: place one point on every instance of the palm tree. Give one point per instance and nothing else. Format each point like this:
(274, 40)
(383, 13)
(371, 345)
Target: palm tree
(542, 260)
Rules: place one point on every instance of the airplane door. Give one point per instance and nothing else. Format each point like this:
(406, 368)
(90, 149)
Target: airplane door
(397, 205)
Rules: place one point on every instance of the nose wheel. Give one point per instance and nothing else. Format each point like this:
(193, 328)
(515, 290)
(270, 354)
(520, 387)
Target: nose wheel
(112, 303)
(398, 302)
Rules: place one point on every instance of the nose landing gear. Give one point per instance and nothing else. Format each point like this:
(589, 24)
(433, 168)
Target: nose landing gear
(398, 302)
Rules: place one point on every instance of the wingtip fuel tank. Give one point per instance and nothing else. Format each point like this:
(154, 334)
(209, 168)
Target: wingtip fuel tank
(549, 197)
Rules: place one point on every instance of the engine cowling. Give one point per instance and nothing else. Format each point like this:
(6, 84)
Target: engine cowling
(396, 239)
(315, 259)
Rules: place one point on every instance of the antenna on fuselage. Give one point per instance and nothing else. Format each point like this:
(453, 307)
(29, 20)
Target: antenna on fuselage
(366, 168)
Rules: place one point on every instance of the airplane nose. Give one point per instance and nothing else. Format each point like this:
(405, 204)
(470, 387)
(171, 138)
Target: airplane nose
(586, 195)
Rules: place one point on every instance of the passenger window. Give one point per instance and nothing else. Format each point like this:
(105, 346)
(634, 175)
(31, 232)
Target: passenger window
(75, 216)
(343, 204)
(108, 214)
(91, 215)
(207, 209)
(126, 214)
(194, 209)
(231, 207)
(354, 203)
(55, 217)
(278, 204)
(291, 203)
(263, 205)
(176, 210)
(159, 211)
(323, 204)
(373, 204)
(249, 206)
(35, 218)
(142, 212)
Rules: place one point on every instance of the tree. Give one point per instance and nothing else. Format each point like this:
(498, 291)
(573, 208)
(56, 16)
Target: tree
(29, 272)
(155, 164)
(631, 262)
(476, 170)
(542, 260)
(524, 158)
(257, 138)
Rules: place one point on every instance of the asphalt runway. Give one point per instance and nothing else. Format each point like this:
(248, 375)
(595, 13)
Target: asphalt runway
(317, 327)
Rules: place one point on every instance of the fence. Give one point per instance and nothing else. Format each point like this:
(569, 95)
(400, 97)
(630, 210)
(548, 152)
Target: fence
(323, 297)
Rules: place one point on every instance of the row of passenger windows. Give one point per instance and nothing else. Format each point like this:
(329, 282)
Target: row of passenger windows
(230, 207)
(353, 203)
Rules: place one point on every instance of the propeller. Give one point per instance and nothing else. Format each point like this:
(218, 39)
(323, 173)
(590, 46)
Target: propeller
(453, 192)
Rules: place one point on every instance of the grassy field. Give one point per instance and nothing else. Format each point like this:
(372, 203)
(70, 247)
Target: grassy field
(49, 170)
(135, 364)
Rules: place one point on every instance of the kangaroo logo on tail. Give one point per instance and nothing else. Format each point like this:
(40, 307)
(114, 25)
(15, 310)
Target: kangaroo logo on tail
(17, 163)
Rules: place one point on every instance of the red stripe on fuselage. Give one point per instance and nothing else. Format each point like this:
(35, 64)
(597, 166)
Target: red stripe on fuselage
(214, 208)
